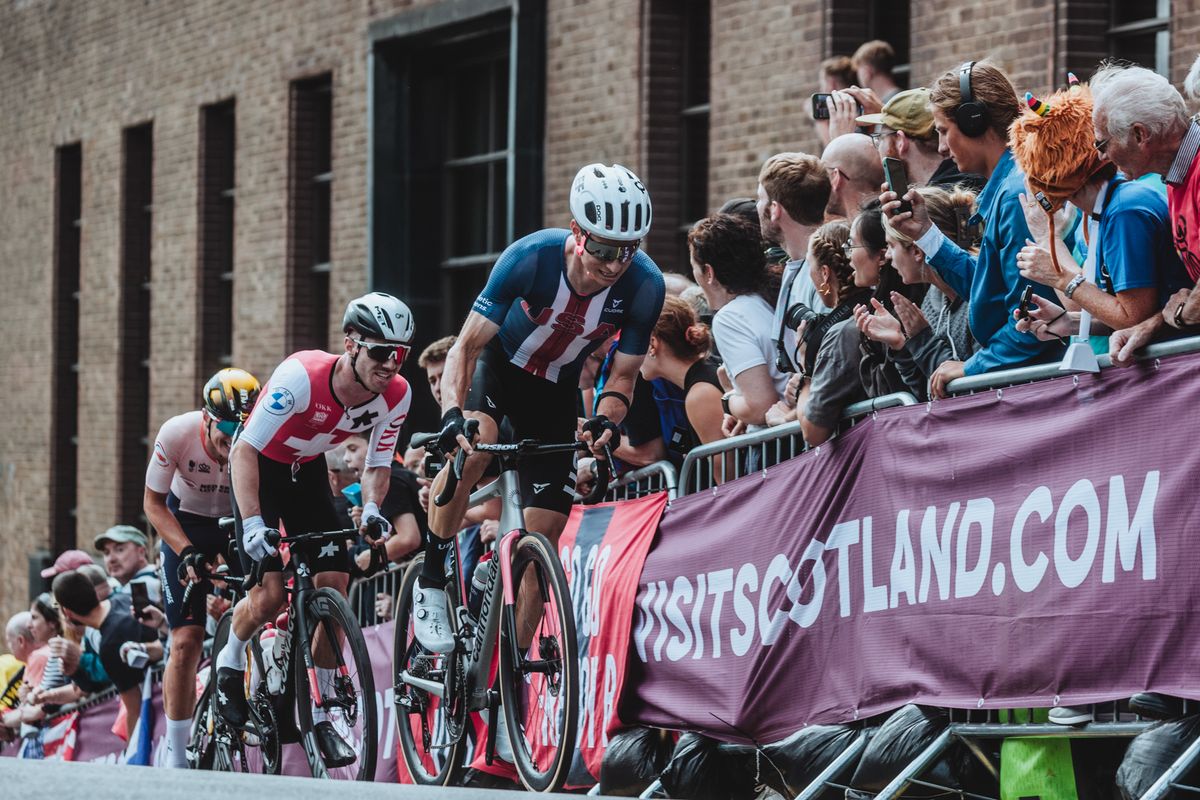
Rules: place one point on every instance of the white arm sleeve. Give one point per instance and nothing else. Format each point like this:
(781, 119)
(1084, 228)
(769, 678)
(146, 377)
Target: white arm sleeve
(384, 435)
(287, 393)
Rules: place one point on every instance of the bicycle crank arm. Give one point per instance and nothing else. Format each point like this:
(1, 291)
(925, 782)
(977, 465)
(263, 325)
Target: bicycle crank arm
(433, 687)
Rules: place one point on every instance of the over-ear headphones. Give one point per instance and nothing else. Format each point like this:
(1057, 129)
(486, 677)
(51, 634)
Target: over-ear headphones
(971, 116)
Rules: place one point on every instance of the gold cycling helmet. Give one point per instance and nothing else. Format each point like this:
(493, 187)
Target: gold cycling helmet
(228, 397)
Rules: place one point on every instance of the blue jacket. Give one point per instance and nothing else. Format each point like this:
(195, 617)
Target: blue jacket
(991, 281)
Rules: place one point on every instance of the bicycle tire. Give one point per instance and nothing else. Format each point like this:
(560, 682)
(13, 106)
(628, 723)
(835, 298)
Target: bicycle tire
(542, 753)
(328, 609)
(201, 745)
(438, 765)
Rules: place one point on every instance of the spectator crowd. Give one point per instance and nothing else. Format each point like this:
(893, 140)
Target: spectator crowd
(944, 231)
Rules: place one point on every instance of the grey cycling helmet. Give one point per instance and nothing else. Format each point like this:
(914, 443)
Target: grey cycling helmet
(610, 202)
(379, 316)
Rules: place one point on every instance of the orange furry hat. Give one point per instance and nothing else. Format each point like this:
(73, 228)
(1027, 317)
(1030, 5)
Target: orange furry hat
(1055, 149)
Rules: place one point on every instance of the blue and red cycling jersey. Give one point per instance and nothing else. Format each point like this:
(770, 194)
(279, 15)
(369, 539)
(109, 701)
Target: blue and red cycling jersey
(548, 329)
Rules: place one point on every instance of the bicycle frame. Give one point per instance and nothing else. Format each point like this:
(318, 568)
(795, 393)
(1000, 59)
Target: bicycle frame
(477, 664)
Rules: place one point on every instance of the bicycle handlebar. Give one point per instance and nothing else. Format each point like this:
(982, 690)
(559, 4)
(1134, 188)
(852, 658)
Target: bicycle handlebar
(603, 467)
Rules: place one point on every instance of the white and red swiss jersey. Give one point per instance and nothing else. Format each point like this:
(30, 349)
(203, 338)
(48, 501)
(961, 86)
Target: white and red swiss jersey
(182, 465)
(297, 417)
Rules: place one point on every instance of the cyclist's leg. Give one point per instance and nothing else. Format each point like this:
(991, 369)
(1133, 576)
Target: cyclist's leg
(260, 605)
(187, 630)
(489, 397)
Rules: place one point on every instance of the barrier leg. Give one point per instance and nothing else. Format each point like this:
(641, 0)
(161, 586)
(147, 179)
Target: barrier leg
(1166, 782)
(916, 766)
(844, 761)
(653, 789)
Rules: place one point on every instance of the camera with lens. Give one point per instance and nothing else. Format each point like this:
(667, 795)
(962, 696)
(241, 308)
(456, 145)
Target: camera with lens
(799, 313)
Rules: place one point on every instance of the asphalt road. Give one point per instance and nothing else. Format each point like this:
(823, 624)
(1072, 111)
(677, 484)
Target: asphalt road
(56, 780)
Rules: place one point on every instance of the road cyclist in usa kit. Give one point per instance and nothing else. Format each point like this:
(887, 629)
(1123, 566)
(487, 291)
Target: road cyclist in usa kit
(187, 492)
(313, 401)
(552, 298)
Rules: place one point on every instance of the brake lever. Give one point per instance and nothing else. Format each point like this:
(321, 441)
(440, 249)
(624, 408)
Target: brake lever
(603, 470)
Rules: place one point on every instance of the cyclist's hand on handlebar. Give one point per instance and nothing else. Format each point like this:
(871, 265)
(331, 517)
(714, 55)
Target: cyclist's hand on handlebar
(374, 526)
(192, 565)
(255, 540)
(598, 432)
(454, 434)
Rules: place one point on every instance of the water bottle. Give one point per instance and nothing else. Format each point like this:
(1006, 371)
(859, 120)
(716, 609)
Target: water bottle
(267, 640)
(479, 579)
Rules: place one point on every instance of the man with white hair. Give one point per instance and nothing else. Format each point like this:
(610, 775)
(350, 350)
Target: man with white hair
(1142, 126)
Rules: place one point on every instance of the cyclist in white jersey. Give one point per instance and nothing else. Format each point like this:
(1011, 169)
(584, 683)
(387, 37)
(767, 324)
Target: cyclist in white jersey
(187, 492)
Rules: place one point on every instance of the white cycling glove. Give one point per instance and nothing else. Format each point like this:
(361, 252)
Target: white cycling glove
(254, 538)
(372, 518)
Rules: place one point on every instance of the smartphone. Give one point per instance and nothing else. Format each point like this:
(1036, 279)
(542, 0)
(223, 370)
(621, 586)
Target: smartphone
(1044, 202)
(819, 109)
(897, 180)
(1026, 302)
(141, 598)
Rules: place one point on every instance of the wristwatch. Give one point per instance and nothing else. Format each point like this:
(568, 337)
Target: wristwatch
(725, 402)
(1179, 323)
(1073, 285)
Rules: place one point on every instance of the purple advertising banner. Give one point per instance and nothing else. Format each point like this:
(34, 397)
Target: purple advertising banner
(1033, 546)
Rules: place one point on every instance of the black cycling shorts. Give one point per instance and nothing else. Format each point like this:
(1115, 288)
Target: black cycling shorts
(536, 409)
(304, 504)
(205, 536)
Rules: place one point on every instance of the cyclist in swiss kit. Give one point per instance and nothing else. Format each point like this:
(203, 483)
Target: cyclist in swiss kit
(187, 492)
(313, 402)
(552, 298)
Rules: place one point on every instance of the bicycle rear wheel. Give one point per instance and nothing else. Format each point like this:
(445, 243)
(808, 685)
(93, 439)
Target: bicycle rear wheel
(343, 681)
(429, 728)
(539, 667)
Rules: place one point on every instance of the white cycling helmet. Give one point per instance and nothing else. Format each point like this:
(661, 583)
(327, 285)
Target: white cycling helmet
(379, 316)
(610, 202)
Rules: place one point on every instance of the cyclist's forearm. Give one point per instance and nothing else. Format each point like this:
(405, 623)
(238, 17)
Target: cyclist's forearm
(155, 506)
(375, 482)
(611, 407)
(243, 466)
(457, 375)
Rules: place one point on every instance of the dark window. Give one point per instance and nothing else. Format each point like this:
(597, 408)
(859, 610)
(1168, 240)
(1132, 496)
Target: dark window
(677, 125)
(134, 370)
(456, 158)
(1140, 32)
(309, 182)
(217, 195)
(64, 453)
(850, 23)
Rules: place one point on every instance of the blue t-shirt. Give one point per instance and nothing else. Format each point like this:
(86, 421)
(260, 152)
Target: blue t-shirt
(1136, 249)
(546, 327)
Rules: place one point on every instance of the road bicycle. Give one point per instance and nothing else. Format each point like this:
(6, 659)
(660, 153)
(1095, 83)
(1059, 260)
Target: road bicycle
(525, 617)
(322, 655)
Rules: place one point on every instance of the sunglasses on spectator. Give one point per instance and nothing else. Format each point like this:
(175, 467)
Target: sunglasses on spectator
(610, 252)
(1102, 145)
(382, 352)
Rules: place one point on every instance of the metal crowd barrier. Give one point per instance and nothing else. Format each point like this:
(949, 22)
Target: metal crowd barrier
(727, 459)
(657, 477)
(1013, 377)
(363, 591)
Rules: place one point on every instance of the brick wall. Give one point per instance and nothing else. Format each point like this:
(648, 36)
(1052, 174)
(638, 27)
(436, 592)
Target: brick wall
(84, 71)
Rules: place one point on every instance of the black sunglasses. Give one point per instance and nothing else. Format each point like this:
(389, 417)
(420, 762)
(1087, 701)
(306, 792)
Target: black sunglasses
(382, 352)
(610, 252)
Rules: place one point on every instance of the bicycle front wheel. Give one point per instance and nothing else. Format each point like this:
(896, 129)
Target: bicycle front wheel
(430, 727)
(539, 667)
(340, 690)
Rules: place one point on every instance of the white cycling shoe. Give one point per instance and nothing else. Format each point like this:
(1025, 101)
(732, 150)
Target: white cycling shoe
(503, 744)
(431, 619)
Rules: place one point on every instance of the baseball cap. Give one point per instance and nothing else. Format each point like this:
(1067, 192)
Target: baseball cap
(71, 559)
(121, 533)
(908, 111)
